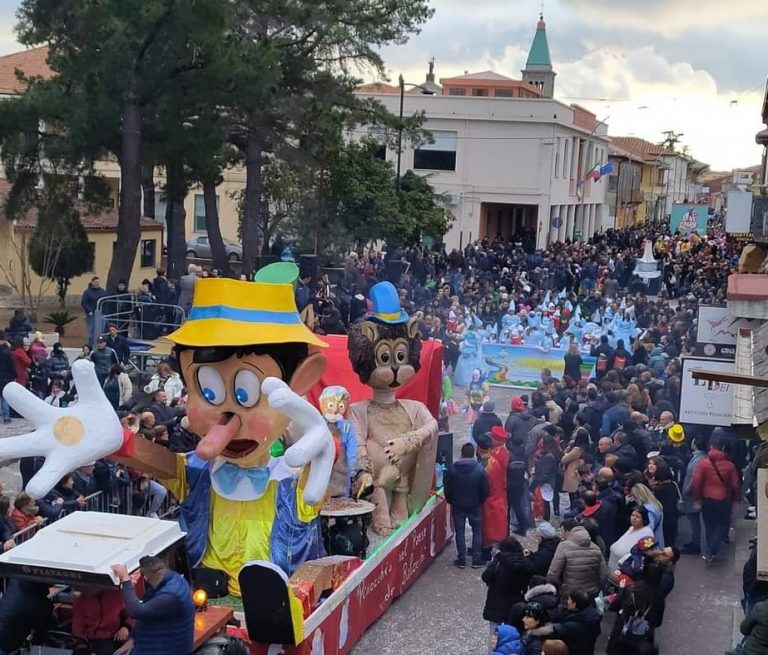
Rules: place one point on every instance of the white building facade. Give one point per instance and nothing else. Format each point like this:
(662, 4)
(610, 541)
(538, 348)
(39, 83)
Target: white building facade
(677, 183)
(509, 167)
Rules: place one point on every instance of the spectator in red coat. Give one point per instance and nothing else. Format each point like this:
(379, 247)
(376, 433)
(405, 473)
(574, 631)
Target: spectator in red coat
(21, 361)
(25, 512)
(495, 459)
(715, 487)
(99, 616)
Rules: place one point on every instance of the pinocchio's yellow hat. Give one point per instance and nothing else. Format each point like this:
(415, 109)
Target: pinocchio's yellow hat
(239, 313)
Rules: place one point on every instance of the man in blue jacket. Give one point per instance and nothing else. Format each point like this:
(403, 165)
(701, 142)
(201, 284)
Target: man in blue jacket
(165, 617)
(466, 488)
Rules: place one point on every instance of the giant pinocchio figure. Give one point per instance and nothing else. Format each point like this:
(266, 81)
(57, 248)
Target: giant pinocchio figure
(247, 360)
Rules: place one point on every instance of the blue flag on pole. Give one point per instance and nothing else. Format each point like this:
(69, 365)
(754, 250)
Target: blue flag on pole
(606, 169)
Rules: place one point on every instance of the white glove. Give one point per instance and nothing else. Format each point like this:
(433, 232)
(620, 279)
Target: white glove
(67, 437)
(314, 446)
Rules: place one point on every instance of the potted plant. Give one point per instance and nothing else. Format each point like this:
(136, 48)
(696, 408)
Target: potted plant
(59, 319)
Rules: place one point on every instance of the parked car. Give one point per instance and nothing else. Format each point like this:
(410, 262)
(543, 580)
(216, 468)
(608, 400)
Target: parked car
(200, 248)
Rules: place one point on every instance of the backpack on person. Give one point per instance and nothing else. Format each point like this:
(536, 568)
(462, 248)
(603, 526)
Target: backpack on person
(601, 366)
(619, 362)
(517, 470)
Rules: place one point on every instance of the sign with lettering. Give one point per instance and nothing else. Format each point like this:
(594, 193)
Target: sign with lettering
(54, 575)
(705, 402)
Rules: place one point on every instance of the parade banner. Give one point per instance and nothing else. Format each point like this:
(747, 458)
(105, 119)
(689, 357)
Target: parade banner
(339, 623)
(688, 217)
(706, 402)
(521, 366)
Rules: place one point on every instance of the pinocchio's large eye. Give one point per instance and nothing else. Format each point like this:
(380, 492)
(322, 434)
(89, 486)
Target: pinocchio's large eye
(247, 388)
(211, 385)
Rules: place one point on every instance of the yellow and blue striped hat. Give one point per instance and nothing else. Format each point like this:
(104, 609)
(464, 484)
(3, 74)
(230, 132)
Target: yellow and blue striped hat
(239, 313)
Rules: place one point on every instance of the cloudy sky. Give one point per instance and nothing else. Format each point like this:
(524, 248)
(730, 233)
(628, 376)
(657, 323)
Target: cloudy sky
(647, 65)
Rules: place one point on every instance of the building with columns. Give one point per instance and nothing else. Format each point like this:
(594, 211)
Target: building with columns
(509, 160)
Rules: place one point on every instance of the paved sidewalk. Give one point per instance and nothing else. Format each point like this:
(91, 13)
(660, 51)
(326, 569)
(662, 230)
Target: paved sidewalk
(9, 470)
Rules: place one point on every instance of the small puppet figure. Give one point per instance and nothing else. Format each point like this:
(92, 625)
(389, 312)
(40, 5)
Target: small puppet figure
(334, 404)
(477, 394)
(397, 439)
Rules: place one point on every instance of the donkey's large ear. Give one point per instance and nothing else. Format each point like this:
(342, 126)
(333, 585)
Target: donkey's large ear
(370, 331)
(413, 328)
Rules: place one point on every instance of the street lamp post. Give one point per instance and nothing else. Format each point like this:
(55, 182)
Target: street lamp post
(425, 91)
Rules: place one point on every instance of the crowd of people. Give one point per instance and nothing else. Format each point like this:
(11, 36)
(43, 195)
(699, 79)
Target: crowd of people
(596, 467)
(636, 480)
(150, 406)
(617, 543)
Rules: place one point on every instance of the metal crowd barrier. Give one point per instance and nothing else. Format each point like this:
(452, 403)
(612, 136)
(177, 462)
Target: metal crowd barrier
(143, 321)
(111, 503)
(101, 502)
(134, 318)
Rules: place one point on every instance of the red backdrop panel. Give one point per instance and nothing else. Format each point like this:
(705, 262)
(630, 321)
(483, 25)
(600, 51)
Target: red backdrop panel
(426, 385)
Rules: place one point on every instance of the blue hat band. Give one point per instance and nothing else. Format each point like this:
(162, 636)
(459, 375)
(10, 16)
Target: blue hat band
(243, 315)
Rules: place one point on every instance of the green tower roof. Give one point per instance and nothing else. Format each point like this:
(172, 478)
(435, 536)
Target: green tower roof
(539, 54)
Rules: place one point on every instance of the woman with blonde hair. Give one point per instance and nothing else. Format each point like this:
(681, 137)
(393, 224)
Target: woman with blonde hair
(644, 496)
(573, 362)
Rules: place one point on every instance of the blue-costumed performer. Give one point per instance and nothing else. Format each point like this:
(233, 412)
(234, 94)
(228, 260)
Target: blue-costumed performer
(470, 358)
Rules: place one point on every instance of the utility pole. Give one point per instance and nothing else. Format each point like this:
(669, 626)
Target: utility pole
(401, 82)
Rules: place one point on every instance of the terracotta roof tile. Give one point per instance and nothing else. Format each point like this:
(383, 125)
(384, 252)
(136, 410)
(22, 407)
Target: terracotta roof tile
(377, 87)
(640, 147)
(490, 76)
(615, 151)
(30, 62)
(104, 221)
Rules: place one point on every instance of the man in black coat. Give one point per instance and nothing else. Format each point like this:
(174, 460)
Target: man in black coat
(466, 488)
(119, 344)
(604, 514)
(579, 626)
(520, 420)
(593, 411)
(24, 608)
(605, 356)
(623, 449)
(487, 420)
(609, 492)
(548, 541)
(164, 415)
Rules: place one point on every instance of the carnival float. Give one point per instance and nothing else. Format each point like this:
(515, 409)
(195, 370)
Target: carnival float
(306, 443)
